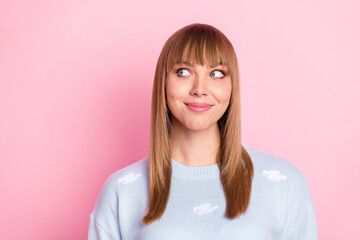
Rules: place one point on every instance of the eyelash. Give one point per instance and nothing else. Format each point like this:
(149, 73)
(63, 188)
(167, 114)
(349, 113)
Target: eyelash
(177, 71)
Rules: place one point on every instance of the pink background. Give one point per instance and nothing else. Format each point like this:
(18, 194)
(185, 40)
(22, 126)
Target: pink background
(75, 89)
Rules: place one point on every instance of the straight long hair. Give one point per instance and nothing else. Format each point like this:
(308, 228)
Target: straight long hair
(198, 43)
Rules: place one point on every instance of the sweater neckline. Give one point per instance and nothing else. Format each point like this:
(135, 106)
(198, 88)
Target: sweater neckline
(180, 170)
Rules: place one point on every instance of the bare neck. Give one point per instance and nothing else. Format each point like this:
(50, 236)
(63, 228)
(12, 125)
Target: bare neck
(194, 147)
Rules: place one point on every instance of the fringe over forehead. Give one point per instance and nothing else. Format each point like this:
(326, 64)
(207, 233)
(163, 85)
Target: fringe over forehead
(200, 44)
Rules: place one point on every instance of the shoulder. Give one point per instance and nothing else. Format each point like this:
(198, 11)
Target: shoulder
(132, 178)
(130, 181)
(121, 195)
(289, 191)
(139, 167)
(274, 168)
(135, 172)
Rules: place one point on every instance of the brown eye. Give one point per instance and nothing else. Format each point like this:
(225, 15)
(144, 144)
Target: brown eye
(221, 75)
(180, 71)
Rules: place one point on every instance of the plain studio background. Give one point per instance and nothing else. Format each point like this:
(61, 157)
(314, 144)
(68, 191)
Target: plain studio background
(75, 91)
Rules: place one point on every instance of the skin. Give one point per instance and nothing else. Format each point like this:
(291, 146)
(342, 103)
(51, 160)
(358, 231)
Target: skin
(195, 136)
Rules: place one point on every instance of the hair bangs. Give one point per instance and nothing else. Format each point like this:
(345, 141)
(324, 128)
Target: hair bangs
(203, 48)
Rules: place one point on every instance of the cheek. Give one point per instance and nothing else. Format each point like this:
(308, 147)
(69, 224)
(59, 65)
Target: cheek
(223, 92)
(174, 90)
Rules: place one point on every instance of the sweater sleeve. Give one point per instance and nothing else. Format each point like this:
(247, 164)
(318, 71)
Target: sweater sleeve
(104, 224)
(300, 213)
(97, 232)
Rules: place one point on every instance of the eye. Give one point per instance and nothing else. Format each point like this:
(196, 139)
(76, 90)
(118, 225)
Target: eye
(180, 71)
(219, 72)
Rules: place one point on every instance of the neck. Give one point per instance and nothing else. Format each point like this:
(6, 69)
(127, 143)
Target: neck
(194, 147)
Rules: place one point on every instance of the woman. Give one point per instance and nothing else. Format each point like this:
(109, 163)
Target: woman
(200, 181)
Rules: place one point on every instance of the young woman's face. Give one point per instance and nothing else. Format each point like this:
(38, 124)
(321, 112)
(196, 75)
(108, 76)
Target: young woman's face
(188, 83)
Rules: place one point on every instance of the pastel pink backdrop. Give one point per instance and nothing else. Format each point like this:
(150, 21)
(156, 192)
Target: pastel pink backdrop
(75, 95)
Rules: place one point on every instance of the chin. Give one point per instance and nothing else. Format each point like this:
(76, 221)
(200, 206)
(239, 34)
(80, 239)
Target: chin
(199, 127)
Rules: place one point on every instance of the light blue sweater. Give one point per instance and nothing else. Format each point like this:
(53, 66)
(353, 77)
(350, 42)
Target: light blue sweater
(280, 206)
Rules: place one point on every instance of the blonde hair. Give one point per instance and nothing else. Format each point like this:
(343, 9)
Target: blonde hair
(192, 43)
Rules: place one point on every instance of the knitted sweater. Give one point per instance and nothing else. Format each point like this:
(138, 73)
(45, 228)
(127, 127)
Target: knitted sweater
(280, 205)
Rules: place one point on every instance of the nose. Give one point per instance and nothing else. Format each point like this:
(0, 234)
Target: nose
(200, 86)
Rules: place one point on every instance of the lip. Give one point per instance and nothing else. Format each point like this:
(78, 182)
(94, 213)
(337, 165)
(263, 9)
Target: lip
(198, 107)
(196, 104)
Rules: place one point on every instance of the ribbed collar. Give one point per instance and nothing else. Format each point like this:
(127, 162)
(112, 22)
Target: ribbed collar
(189, 172)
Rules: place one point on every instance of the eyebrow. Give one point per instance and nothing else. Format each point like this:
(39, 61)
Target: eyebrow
(192, 65)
